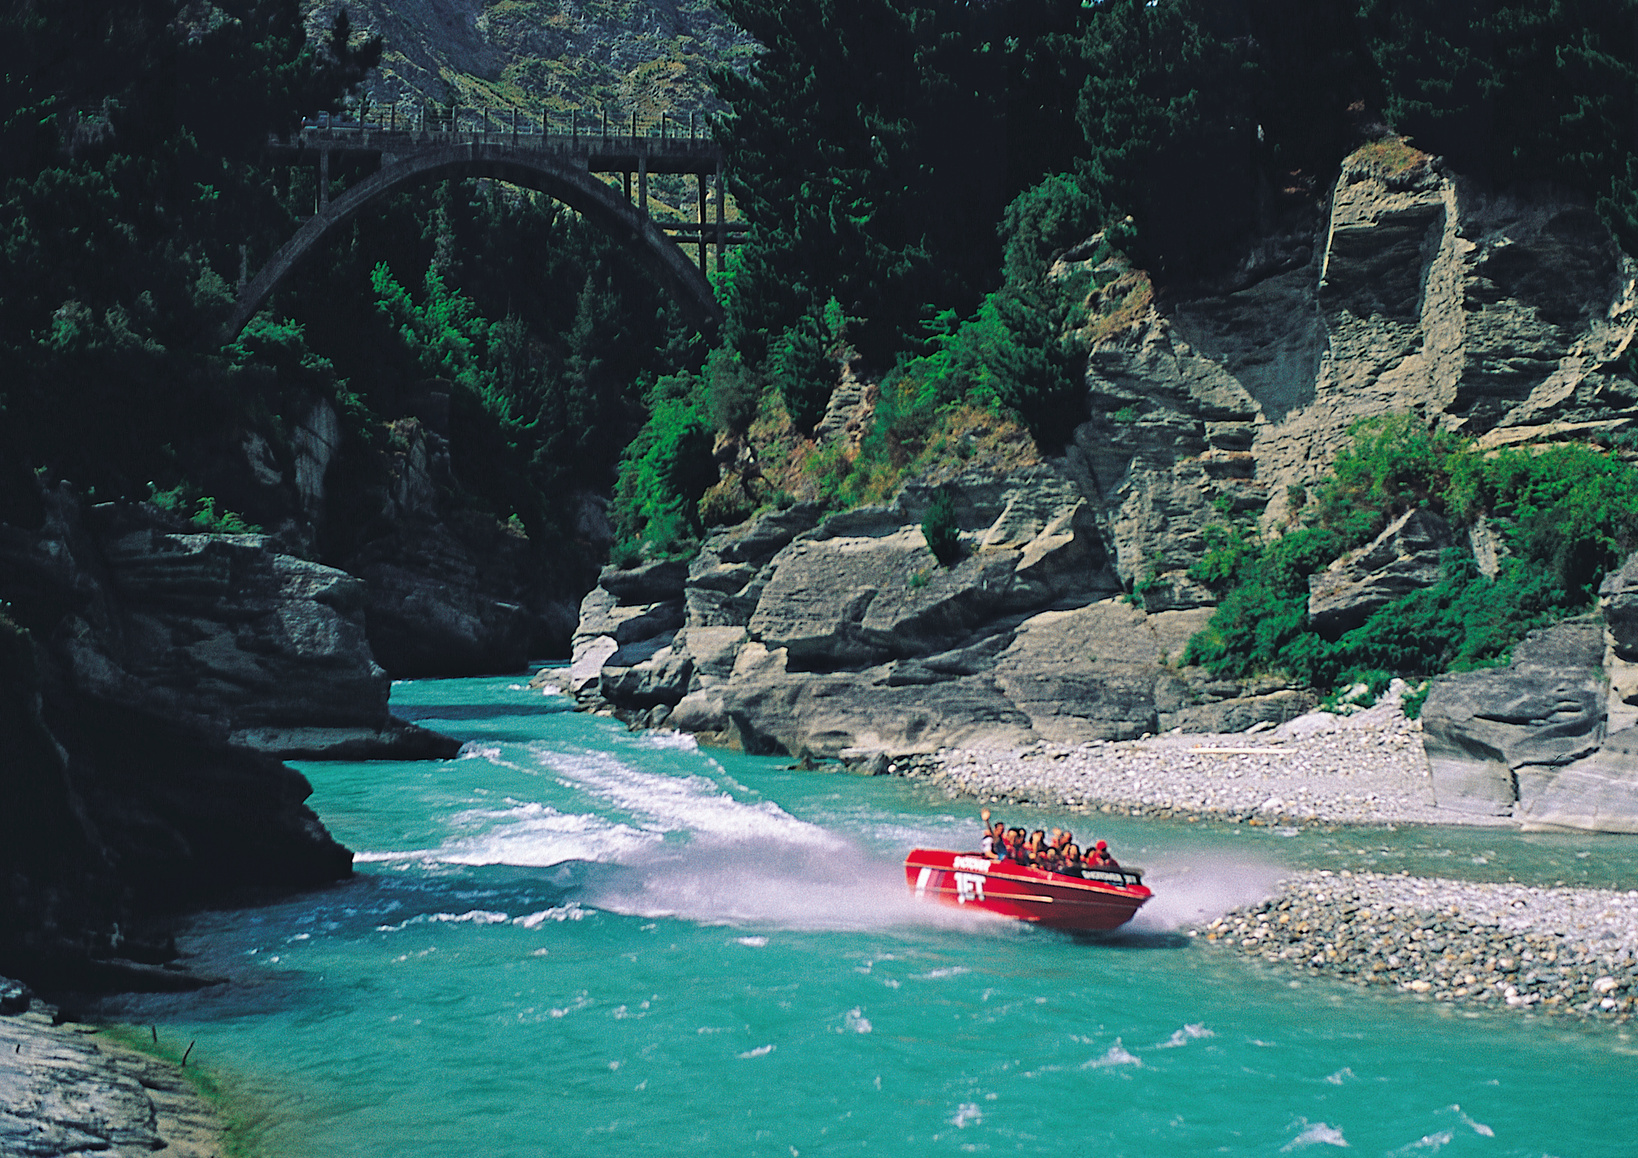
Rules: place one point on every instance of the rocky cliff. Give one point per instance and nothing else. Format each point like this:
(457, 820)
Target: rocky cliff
(153, 680)
(449, 588)
(1501, 315)
(582, 54)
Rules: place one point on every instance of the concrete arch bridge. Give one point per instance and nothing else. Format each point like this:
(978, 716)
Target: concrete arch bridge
(564, 166)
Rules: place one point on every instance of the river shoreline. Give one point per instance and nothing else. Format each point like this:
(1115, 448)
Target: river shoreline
(1561, 950)
(1364, 768)
(70, 1089)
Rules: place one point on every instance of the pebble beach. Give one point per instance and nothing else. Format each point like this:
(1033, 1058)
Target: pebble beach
(1567, 951)
(1365, 768)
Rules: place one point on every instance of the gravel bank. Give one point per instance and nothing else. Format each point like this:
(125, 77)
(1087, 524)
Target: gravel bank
(1565, 951)
(1551, 950)
(1367, 768)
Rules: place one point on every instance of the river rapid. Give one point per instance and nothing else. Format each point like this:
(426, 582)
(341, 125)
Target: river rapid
(573, 940)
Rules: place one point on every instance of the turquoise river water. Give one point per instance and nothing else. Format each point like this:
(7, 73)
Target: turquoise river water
(573, 940)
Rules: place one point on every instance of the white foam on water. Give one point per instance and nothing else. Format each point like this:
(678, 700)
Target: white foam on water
(580, 1002)
(693, 804)
(478, 752)
(742, 862)
(854, 1021)
(759, 1051)
(1477, 1127)
(679, 741)
(472, 917)
(752, 942)
(1190, 1032)
(1343, 1075)
(1116, 1055)
(1427, 1143)
(967, 1114)
(535, 835)
(475, 916)
(940, 974)
(1314, 1134)
(1196, 890)
(560, 913)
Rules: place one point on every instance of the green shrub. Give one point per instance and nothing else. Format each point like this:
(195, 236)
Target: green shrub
(941, 530)
(199, 510)
(805, 362)
(666, 471)
(1394, 464)
(1566, 514)
(734, 391)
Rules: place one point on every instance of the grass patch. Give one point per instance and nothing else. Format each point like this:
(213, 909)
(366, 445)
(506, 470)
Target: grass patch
(243, 1123)
(1390, 158)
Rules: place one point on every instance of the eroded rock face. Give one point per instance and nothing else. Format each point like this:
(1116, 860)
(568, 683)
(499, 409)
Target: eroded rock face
(1403, 558)
(152, 677)
(1496, 739)
(811, 635)
(218, 633)
(1598, 793)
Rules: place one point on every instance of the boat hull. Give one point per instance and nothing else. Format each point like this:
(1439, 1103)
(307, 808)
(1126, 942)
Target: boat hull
(970, 881)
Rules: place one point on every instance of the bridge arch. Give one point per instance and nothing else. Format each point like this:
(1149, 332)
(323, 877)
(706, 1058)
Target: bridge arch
(551, 173)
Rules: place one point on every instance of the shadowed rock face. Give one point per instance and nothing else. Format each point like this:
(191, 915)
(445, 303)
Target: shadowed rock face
(153, 676)
(447, 591)
(219, 634)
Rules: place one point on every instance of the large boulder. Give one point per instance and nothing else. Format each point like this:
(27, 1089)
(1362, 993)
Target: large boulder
(1496, 738)
(1597, 793)
(1402, 559)
(863, 598)
(218, 633)
(1091, 673)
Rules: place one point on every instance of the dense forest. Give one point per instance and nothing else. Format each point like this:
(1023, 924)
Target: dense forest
(910, 171)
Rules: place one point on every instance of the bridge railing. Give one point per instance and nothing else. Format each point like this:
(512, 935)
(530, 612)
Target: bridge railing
(488, 123)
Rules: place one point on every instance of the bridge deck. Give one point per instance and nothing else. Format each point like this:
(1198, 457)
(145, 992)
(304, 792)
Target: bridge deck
(594, 152)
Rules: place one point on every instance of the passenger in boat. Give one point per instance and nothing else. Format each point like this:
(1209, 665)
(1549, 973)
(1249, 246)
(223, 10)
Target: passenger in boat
(1100, 857)
(1050, 859)
(1015, 844)
(992, 845)
(1072, 860)
(1037, 845)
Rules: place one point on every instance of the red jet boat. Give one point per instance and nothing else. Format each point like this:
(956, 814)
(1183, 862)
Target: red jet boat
(1105, 898)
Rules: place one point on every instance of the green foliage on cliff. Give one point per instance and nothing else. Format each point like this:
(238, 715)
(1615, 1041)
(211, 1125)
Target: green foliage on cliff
(869, 147)
(666, 470)
(1565, 515)
(129, 136)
